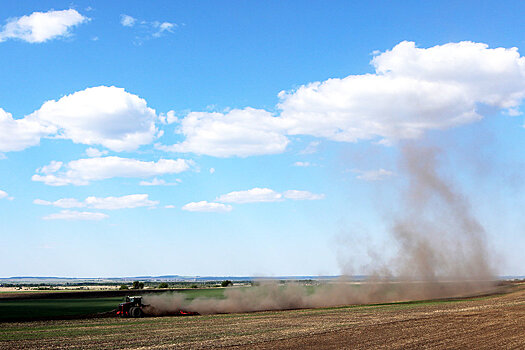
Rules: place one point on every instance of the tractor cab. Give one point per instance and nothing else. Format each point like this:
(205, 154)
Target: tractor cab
(135, 301)
(132, 307)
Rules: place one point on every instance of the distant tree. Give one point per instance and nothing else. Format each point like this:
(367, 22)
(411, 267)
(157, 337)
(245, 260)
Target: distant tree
(194, 286)
(138, 285)
(124, 286)
(163, 285)
(226, 283)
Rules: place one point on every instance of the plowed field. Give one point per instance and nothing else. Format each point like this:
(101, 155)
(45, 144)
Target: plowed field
(495, 322)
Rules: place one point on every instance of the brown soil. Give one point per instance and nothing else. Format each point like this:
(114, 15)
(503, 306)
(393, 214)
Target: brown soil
(482, 323)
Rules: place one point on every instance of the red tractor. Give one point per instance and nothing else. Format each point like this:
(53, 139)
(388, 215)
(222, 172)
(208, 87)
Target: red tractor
(132, 307)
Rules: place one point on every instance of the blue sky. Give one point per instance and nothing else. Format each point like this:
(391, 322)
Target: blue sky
(248, 138)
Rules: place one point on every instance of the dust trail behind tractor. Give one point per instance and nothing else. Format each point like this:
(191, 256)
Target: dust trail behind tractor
(134, 307)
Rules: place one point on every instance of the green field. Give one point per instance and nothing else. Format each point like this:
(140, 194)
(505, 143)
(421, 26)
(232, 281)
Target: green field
(41, 308)
(55, 306)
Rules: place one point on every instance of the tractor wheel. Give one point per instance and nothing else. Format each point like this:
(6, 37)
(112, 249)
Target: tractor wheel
(136, 312)
(130, 311)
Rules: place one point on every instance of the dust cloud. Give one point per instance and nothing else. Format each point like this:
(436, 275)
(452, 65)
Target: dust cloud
(442, 252)
(439, 237)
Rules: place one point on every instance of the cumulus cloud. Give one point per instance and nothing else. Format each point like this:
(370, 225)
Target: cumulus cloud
(241, 133)
(52, 167)
(112, 203)
(163, 27)
(18, 134)
(147, 29)
(311, 148)
(302, 195)
(207, 207)
(102, 115)
(107, 203)
(251, 196)
(83, 171)
(39, 27)
(61, 203)
(156, 182)
(266, 195)
(5, 195)
(127, 21)
(413, 90)
(255, 195)
(168, 118)
(95, 152)
(76, 215)
(373, 175)
(302, 164)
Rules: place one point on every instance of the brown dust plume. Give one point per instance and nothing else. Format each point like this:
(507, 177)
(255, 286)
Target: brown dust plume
(442, 252)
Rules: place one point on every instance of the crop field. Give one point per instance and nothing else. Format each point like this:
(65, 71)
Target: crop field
(489, 322)
(38, 306)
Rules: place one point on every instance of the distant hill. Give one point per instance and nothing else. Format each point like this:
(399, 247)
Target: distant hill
(163, 278)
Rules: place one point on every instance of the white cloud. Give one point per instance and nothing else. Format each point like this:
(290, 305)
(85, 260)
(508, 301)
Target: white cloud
(18, 134)
(373, 175)
(311, 148)
(154, 182)
(413, 90)
(39, 27)
(302, 164)
(76, 215)
(212, 170)
(239, 133)
(102, 115)
(83, 171)
(52, 167)
(255, 195)
(111, 203)
(168, 118)
(5, 195)
(266, 195)
(169, 206)
(251, 196)
(302, 195)
(207, 207)
(157, 182)
(127, 21)
(61, 203)
(147, 30)
(94, 152)
(163, 27)
(107, 203)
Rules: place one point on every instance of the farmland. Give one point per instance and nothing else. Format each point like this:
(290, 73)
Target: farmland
(488, 322)
(48, 305)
